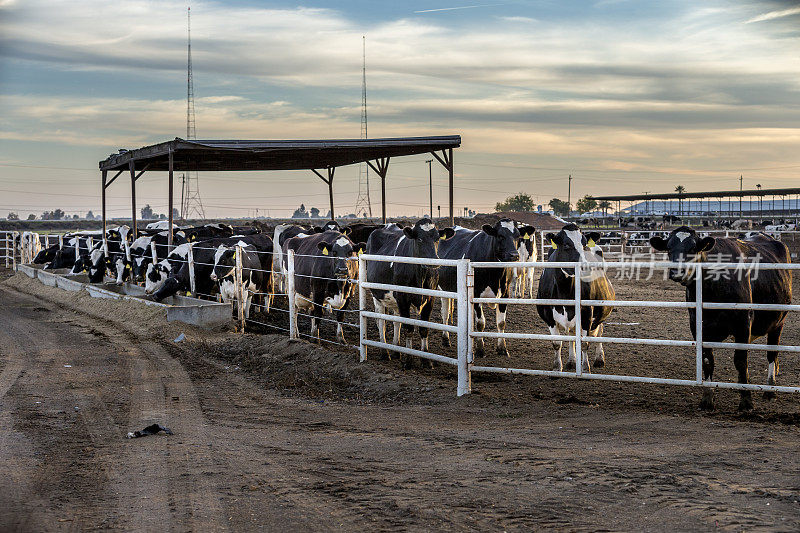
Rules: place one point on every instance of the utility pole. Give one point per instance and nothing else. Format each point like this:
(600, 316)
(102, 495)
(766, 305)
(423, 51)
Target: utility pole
(363, 202)
(430, 186)
(569, 193)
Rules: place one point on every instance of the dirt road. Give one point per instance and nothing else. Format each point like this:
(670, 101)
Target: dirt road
(244, 456)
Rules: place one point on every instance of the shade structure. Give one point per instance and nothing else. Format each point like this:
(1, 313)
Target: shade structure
(260, 155)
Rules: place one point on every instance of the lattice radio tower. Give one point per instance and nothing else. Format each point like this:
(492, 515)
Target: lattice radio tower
(191, 202)
(363, 203)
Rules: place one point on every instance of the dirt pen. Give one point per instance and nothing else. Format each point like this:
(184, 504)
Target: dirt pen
(272, 432)
(647, 338)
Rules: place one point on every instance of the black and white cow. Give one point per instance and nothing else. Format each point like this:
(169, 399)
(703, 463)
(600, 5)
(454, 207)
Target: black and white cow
(521, 279)
(419, 241)
(570, 245)
(204, 254)
(491, 243)
(282, 233)
(205, 232)
(256, 270)
(254, 278)
(325, 269)
(728, 285)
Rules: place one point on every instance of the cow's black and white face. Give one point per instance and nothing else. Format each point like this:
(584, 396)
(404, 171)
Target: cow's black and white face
(344, 254)
(224, 262)
(527, 242)
(156, 275)
(683, 245)
(426, 237)
(570, 244)
(506, 239)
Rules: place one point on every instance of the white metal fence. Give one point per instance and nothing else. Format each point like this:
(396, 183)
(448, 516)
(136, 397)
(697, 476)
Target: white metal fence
(282, 284)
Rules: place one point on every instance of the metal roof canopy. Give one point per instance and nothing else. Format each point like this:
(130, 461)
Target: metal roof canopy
(238, 155)
(713, 194)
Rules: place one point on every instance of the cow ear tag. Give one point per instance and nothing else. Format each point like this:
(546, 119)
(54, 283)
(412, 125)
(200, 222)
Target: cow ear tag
(324, 251)
(360, 251)
(526, 236)
(591, 243)
(553, 244)
(443, 237)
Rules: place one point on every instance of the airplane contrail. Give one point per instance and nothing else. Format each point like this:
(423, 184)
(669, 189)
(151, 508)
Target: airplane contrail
(774, 15)
(457, 7)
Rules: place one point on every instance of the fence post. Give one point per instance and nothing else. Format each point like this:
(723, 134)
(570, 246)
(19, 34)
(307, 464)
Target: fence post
(471, 313)
(698, 323)
(464, 340)
(362, 306)
(239, 287)
(578, 326)
(190, 263)
(293, 332)
(153, 253)
(60, 242)
(14, 249)
(7, 248)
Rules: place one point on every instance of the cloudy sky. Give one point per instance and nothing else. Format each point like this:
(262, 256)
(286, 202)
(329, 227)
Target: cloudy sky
(625, 96)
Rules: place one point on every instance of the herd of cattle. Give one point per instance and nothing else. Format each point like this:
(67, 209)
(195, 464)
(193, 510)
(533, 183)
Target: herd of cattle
(326, 273)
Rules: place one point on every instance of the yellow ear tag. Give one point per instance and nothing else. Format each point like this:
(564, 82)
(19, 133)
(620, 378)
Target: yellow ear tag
(324, 251)
(591, 243)
(553, 244)
(188, 293)
(360, 252)
(526, 236)
(443, 237)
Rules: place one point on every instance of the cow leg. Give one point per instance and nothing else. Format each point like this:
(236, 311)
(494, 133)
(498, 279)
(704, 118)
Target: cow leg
(571, 354)
(317, 310)
(425, 314)
(339, 320)
(599, 355)
(447, 311)
(480, 325)
(745, 396)
(585, 354)
(707, 402)
(248, 301)
(500, 314)
(380, 308)
(557, 366)
(404, 310)
(773, 337)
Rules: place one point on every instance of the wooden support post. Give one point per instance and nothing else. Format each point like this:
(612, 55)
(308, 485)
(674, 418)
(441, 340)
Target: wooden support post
(169, 217)
(331, 170)
(381, 167)
(450, 175)
(105, 177)
(132, 167)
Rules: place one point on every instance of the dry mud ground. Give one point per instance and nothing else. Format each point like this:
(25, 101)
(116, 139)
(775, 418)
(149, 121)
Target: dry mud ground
(279, 435)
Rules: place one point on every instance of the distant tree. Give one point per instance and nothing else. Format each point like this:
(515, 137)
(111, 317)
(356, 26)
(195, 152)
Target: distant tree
(680, 189)
(13, 216)
(328, 216)
(162, 216)
(314, 212)
(89, 216)
(75, 217)
(31, 217)
(58, 214)
(586, 204)
(559, 207)
(518, 202)
(147, 213)
(605, 205)
(300, 212)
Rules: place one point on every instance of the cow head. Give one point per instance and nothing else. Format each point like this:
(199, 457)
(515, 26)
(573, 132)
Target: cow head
(683, 245)
(527, 242)
(344, 254)
(124, 268)
(506, 239)
(330, 225)
(139, 267)
(224, 262)
(570, 245)
(96, 264)
(426, 237)
(156, 275)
